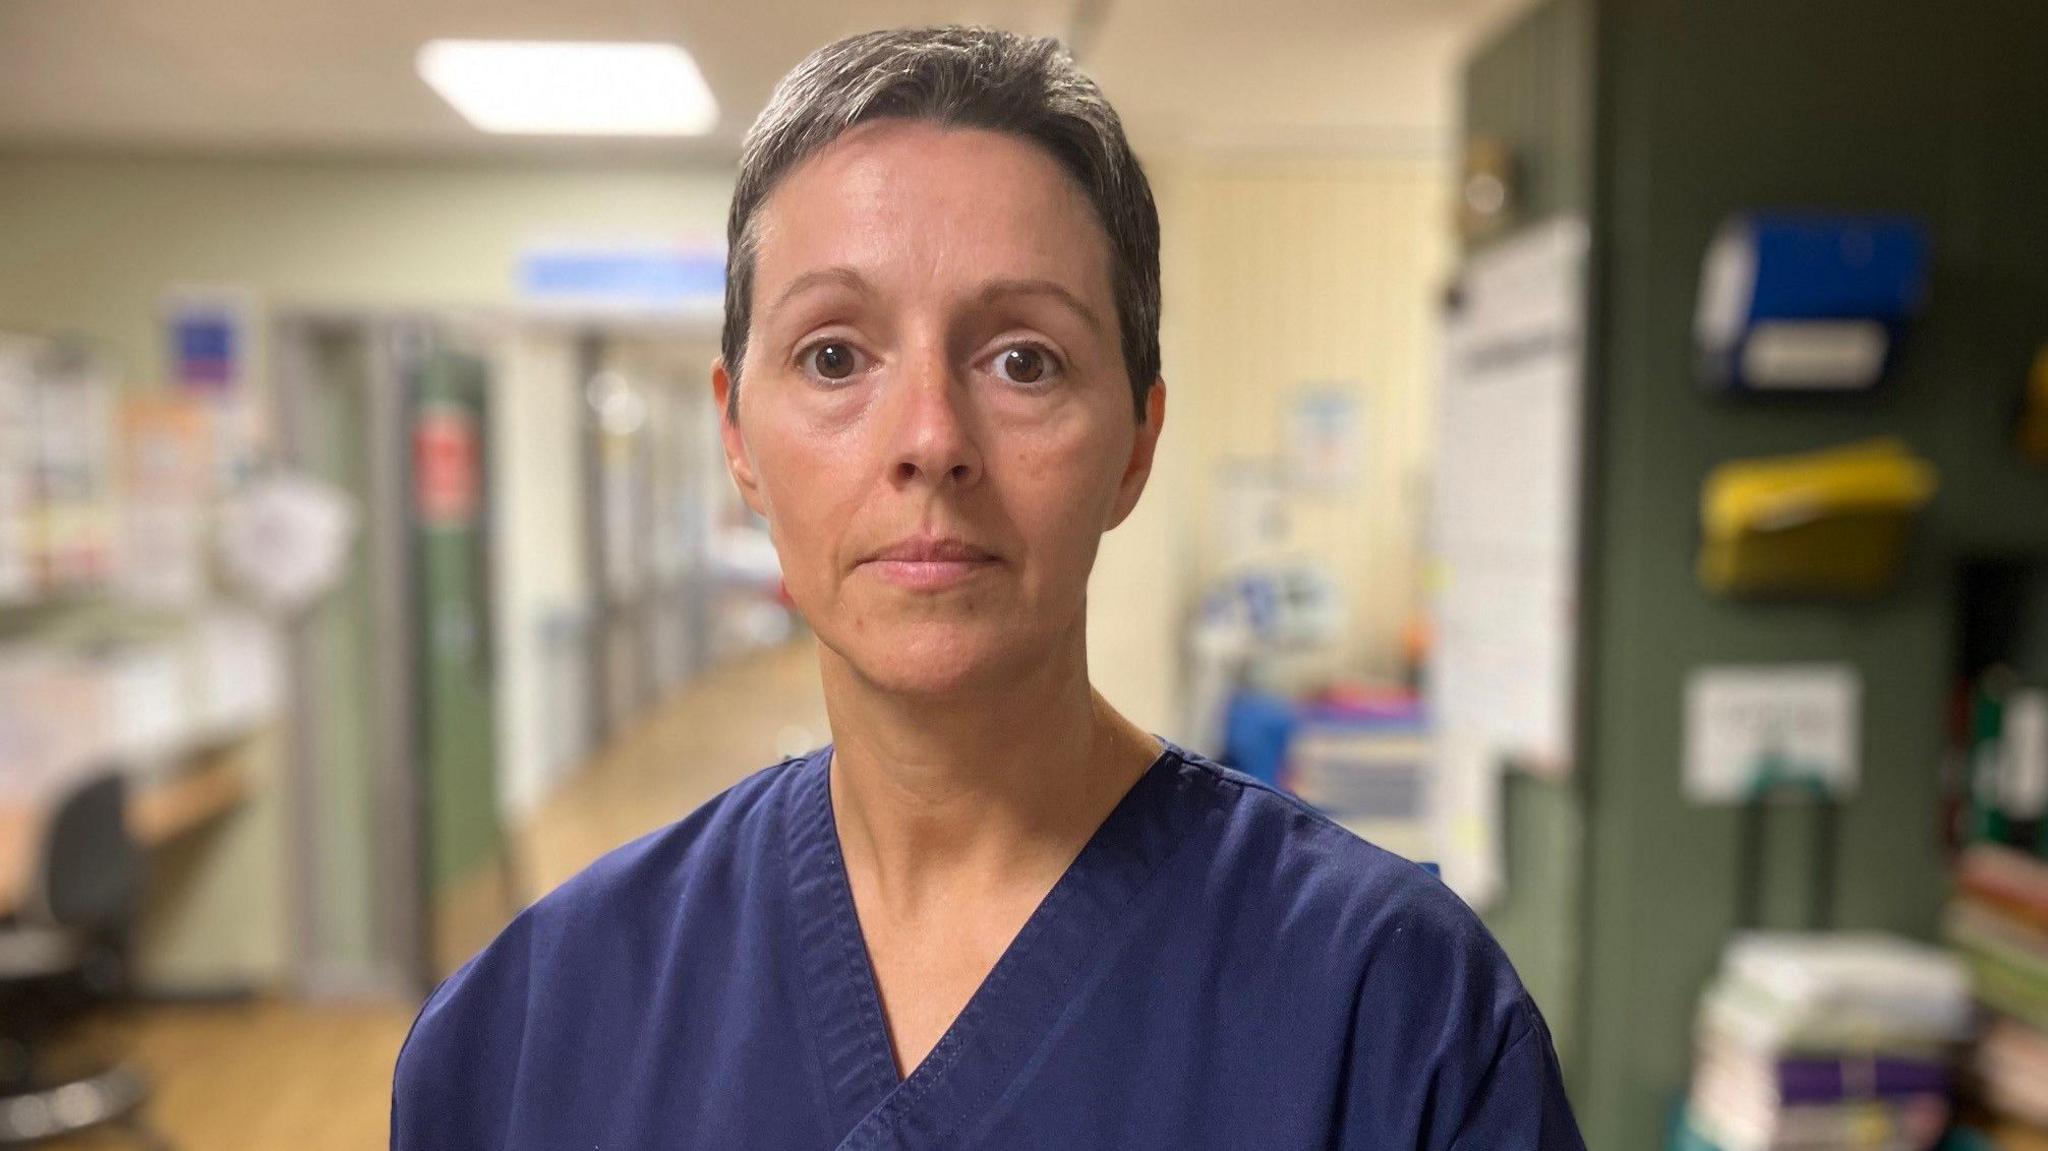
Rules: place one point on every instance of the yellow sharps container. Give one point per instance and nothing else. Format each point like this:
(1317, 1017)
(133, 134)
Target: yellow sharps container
(1828, 523)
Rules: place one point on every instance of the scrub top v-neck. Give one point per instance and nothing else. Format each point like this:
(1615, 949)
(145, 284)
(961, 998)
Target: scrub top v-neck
(1015, 1008)
(1219, 967)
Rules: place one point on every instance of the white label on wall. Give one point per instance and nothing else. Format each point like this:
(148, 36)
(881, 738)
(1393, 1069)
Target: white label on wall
(1748, 724)
(2023, 774)
(1815, 354)
(1325, 449)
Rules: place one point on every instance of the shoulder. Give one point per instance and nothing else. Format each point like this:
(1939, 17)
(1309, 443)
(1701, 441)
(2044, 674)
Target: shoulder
(624, 909)
(1383, 924)
(1444, 1047)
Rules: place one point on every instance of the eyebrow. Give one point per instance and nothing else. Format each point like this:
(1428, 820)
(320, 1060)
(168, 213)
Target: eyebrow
(839, 274)
(843, 276)
(997, 289)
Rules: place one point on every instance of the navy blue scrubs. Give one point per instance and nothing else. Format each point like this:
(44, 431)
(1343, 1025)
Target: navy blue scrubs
(1220, 968)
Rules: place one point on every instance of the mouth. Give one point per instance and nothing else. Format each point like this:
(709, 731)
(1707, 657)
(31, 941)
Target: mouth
(930, 563)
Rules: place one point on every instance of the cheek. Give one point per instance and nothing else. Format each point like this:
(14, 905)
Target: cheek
(809, 489)
(1067, 484)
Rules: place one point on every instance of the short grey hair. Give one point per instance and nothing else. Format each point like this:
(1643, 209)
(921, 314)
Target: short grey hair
(965, 77)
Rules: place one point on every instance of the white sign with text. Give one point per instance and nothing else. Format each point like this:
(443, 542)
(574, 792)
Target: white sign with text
(1747, 726)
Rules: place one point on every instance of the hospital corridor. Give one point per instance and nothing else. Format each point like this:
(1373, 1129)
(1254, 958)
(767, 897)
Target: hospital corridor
(1140, 574)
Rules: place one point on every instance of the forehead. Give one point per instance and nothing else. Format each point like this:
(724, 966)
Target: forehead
(901, 198)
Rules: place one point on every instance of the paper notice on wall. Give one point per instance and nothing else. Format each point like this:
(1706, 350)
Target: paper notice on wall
(1325, 448)
(1504, 535)
(1505, 523)
(166, 439)
(1754, 727)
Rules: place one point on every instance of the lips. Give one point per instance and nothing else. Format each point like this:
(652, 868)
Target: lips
(930, 563)
(932, 549)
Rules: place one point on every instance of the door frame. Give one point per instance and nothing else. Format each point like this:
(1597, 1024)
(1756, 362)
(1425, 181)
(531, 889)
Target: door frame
(399, 905)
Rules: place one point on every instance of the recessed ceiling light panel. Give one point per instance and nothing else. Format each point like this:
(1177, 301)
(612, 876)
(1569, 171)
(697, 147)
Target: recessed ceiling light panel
(569, 88)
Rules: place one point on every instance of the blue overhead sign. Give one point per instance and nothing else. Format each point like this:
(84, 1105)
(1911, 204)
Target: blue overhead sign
(662, 278)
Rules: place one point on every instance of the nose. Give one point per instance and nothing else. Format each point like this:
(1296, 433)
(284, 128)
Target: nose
(932, 435)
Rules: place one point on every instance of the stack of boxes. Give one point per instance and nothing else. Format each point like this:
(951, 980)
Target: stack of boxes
(1812, 1042)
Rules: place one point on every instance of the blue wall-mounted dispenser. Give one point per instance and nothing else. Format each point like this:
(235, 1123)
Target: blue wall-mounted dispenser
(1807, 303)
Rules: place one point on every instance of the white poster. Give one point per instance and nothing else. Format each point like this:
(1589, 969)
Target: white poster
(1506, 530)
(1504, 535)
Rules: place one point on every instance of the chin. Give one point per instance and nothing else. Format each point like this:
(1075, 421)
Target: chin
(932, 659)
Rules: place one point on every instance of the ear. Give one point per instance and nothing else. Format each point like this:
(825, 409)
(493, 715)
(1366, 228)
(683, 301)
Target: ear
(1139, 467)
(736, 460)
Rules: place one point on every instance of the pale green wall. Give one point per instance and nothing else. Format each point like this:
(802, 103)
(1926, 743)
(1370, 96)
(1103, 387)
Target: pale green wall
(89, 243)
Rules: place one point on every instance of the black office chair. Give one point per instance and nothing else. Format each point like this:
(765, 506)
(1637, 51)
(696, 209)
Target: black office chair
(64, 951)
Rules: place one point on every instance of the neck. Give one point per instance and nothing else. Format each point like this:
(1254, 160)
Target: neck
(992, 784)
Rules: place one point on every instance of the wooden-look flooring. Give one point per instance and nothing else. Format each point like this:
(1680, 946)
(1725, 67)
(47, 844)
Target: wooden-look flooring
(717, 731)
(280, 1076)
(260, 1076)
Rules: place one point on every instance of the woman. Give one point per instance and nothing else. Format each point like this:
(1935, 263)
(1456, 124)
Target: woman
(993, 912)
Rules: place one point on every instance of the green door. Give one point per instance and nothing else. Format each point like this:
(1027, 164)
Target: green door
(452, 616)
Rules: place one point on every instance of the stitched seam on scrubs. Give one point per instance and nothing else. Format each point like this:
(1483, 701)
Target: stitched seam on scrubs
(1030, 937)
(1478, 1099)
(433, 998)
(986, 1105)
(821, 1084)
(846, 924)
(1348, 1066)
(533, 992)
(843, 1034)
(990, 1108)
(927, 1075)
(853, 950)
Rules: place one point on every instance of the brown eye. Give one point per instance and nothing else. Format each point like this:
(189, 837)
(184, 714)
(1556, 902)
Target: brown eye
(834, 361)
(1023, 365)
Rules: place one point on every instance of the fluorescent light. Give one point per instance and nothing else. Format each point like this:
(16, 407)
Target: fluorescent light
(541, 87)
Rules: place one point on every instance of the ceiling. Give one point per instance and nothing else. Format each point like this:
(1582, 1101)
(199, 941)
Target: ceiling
(337, 75)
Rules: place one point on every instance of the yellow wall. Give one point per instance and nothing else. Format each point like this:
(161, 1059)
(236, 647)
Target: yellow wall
(1137, 597)
(536, 444)
(1293, 272)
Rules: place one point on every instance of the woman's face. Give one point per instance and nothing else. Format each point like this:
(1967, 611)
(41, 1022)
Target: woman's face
(934, 414)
